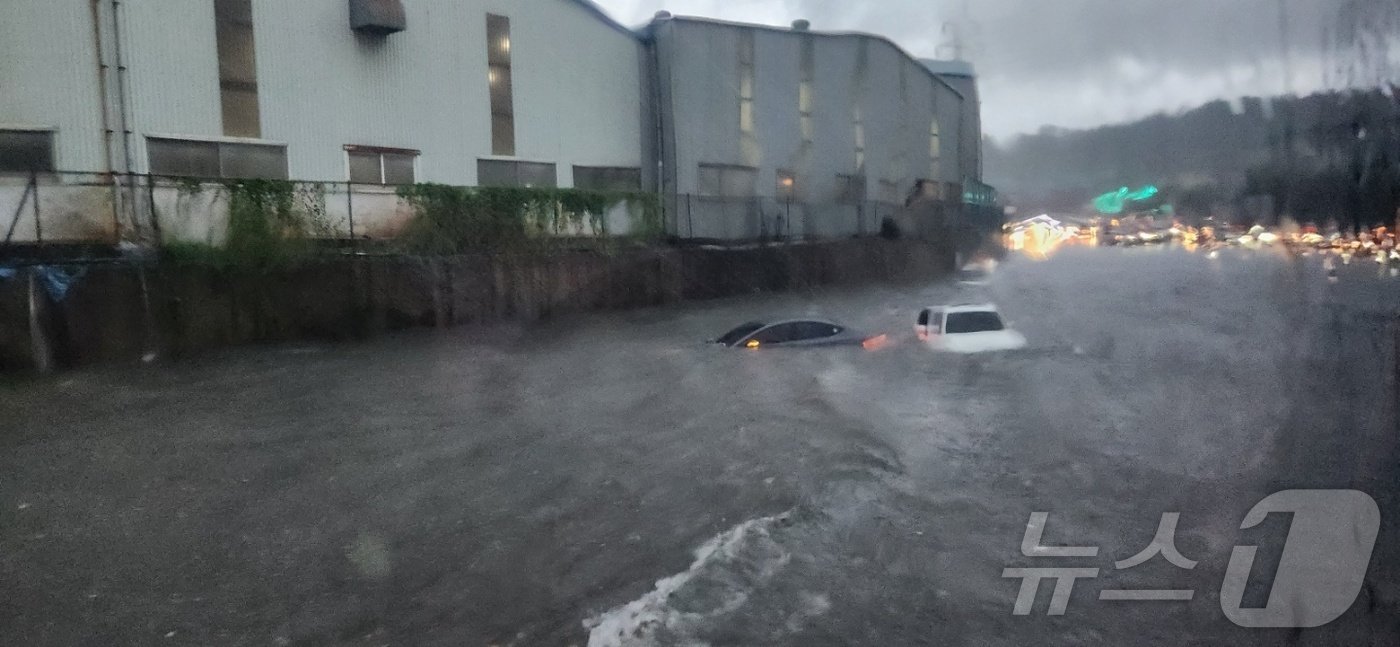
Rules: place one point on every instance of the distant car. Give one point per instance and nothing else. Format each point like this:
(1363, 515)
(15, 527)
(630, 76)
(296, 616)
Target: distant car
(967, 329)
(795, 333)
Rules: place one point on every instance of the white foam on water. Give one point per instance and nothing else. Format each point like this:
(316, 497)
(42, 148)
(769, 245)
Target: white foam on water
(743, 558)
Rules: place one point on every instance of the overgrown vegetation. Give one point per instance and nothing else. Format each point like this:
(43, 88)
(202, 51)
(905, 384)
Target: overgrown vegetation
(272, 224)
(453, 220)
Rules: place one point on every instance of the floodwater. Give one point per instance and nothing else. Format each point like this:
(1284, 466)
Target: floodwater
(611, 481)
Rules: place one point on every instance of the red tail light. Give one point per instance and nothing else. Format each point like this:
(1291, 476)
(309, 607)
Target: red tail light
(877, 342)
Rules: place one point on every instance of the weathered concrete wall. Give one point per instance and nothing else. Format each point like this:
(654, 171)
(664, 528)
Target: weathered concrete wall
(116, 313)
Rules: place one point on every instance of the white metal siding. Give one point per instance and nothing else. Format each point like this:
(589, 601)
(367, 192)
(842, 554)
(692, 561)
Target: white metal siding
(49, 77)
(577, 87)
(172, 70)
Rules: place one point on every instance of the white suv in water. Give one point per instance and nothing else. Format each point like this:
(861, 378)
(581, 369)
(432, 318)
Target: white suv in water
(967, 329)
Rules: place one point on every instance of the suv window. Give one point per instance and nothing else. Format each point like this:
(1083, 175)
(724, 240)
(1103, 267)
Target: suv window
(970, 322)
(933, 320)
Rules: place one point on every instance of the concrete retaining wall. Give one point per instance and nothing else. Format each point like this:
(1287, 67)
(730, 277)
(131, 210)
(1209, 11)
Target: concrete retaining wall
(117, 313)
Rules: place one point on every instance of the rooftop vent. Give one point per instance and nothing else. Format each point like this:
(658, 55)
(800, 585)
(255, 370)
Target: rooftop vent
(663, 15)
(377, 17)
(801, 25)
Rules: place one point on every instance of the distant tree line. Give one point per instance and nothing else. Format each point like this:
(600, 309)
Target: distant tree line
(1331, 156)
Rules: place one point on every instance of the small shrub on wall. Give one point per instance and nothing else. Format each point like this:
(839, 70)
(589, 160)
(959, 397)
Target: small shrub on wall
(452, 220)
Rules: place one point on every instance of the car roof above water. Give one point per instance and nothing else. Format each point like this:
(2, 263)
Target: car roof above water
(966, 307)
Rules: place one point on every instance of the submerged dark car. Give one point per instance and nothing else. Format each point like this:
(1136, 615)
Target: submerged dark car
(795, 333)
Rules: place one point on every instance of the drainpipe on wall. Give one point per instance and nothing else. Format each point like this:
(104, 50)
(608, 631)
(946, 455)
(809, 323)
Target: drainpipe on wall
(123, 111)
(659, 114)
(117, 207)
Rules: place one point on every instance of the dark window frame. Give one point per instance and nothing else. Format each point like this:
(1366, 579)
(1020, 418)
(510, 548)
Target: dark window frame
(501, 85)
(46, 157)
(608, 179)
(233, 19)
(974, 322)
(221, 161)
(381, 153)
(515, 174)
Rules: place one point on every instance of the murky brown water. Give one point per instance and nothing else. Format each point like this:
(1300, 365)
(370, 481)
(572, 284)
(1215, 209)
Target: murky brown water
(610, 480)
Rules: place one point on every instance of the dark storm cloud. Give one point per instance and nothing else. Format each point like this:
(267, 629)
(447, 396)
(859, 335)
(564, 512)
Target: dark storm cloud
(1082, 62)
(1072, 38)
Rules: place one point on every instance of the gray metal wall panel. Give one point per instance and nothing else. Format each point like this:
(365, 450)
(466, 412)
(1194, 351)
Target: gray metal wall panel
(172, 70)
(49, 77)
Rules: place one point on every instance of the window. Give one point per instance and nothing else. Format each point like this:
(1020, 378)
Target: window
(850, 189)
(502, 88)
(598, 178)
(805, 88)
(857, 114)
(212, 159)
(723, 181)
(746, 83)
(738, 334)
(779, 334)
(859, 120)
(390, 166)
(787, 185)
(518, 174)
(935, 150)
(932, 320)
(809, 330)
(238, 70)
(26, 151)
(972, 322)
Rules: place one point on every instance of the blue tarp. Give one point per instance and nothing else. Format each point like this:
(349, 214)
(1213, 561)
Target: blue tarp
(57, 280)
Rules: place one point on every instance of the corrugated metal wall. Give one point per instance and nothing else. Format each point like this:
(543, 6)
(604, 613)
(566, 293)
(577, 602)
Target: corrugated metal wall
(172, 70)
(578, 91)
(49, 76)
(577, 86)
(897, 109)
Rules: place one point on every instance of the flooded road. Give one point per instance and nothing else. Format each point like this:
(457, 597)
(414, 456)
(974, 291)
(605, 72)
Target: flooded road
(609, 480)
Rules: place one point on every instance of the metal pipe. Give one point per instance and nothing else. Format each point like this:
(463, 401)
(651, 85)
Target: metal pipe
(123, 107)
(38, 224)
(151, 202)
(106, 110)
(350, 207)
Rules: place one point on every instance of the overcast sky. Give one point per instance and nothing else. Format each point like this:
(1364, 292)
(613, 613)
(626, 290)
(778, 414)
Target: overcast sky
(1073, 63)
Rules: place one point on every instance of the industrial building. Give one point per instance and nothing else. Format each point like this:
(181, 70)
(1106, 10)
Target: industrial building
(746, 131)
(794, 133)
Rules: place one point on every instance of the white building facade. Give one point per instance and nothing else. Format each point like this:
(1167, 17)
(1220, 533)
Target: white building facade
(379, 93)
